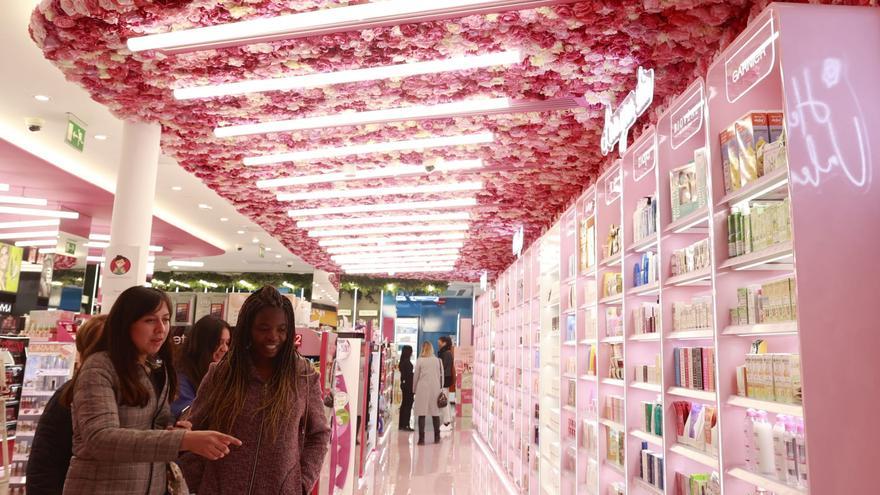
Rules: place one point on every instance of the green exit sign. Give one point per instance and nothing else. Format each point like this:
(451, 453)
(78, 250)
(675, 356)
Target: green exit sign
(76, 135)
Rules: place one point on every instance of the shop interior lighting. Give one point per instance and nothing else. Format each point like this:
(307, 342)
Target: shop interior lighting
(37, 242)
(186, 263)
(99, 237)
(355, 241)
(392, 219)
(36, 212)
(52, 222)
(360, 149)
(247, 285)
(364, 260)
(4, 187)
(304, 81)
(398, 264)
(179, 284)
(104, 245)
(402, 170)
(208, 284)
(42, 98)
(288, 285)
(29, 235)
(396, 248)
(382, 207)
(22, 200)
(414, 112)
(392, 229)
(371, 192)
(392, 271)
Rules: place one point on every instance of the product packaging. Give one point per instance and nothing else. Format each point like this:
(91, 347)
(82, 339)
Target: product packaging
(752, 134)
(730, 160)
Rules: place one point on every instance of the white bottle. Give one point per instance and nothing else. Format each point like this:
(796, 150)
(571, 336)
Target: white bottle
(749, 438)
(779, 451)
(791, 467)
(801, 440)
(764, 444)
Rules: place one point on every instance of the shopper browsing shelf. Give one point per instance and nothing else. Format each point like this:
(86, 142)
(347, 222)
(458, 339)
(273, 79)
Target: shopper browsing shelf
(52, 447)
(406, 388)
(206, 343)
(448, 360)
(270, 397)
(427, 382)
(123, 433)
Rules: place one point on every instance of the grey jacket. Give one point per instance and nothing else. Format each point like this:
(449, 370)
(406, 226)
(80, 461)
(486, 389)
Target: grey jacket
(427, 382)
(119, 450)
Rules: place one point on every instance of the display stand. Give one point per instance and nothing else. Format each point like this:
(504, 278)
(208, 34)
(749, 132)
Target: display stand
(549, 439)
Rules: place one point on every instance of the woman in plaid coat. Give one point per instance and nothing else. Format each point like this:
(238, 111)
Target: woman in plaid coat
(123, 431)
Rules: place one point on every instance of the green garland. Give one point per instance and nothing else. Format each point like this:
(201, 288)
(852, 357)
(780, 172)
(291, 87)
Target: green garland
(228, 280)
(369, 286)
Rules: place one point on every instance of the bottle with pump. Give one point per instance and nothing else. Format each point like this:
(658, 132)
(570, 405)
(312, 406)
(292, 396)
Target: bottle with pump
(749, 439)
(779, 447)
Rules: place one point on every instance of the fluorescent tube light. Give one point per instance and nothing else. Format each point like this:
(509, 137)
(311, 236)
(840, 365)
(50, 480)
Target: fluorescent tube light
(186, 263)
(354, 271)
(4, 187)
(394, 248)
(21, 200)
(345, 222)
(369, 192)
(354, 241)
(29, 235)
(393, 229)
(47, 250)
(402, 263)
(374, 173)
(393, 255)
(34, 212)
(37, 242)
(104, 245)
(288, 285)
(30, 223)
(398, 266)
(304, 81)
(400, 206)
(360, 149)
(415, 112)
(355, 259)
(99, 237)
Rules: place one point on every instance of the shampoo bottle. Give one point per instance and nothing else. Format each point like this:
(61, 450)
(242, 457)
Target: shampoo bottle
(801, 441)
(779, 447)
(749, 438)
(791, 471)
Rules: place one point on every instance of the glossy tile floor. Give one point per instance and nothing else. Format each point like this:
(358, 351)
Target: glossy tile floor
(457, 465)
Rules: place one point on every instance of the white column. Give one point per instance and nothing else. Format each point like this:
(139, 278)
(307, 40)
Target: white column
(132, 219)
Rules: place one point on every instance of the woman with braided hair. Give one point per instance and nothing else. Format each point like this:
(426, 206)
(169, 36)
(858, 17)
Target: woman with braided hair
(269, 397)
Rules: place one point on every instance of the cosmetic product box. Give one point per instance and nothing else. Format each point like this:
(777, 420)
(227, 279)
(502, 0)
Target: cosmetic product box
(752, 134)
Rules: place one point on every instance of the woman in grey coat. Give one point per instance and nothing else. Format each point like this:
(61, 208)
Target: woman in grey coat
(123, 432)
(427, 382)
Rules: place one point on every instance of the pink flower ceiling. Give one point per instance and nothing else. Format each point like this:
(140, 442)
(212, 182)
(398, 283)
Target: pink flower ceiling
(537, 165)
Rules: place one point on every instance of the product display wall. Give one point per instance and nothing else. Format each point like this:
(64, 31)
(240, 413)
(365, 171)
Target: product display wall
(704, 366)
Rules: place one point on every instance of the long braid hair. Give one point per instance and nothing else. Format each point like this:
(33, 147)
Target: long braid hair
(227, 400)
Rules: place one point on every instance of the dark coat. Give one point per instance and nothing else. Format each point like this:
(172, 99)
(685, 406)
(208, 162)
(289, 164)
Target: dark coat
(406, 376)
(51, 449)
(448, 366)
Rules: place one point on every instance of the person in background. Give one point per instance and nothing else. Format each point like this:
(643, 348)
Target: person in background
(406, 387)
(52, 447)
(427, 382)
(448, 360)
(207, 343)
(268, 395)
(123, 432)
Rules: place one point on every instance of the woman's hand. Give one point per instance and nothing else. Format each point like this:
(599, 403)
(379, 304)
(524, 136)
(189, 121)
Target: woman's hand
(211, 445)
(181, 425)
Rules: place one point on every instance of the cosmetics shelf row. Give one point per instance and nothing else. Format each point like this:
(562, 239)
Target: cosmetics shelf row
(690, 281)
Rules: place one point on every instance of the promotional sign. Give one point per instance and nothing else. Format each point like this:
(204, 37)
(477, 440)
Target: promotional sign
(518, 240)
(644, 160)
(464, 381)
(10, 267)
(120, 272)
(619, 122)
(346, 382)
(686, 120)
(751, 63)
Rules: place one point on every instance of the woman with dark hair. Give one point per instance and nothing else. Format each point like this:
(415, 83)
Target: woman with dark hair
(123, 432)
(52, 447)
(406, 387)
(448, 359)
(207, 342)
(270, 397)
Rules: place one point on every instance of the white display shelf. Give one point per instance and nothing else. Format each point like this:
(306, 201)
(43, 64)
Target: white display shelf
(570, 342)
(570, 409)
(615, 299)
(587, 306)
(702, 334)
(776, 257)
(647, 486)
(650, 387)
(612, 260)
(614, 339)
(695, 455)
(613, 381)
(645, 337)
(648, 437)
(696, 277)
(588, 342)
(591, 272)
(651, 289)
(611, 424)
(774, 486)
(589, 378)
(570, 376)
(780, 328)
(691, 393)
(774, 407)
(614, 467)
(768, 186)
(694, 223)
(645, 244)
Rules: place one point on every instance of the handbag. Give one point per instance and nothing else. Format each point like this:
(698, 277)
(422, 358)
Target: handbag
(175, 484)
(442, 400)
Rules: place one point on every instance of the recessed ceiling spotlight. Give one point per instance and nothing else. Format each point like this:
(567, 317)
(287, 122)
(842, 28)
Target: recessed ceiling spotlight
(239, 232)
(368, 192)
(278, 256)
(101, 137)
(205, 207)
(400, 170)
(255, 240)
(224, 219)
(42, 98)
(176, 188)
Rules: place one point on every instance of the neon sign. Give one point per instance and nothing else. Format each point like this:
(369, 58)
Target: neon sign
(619, 122)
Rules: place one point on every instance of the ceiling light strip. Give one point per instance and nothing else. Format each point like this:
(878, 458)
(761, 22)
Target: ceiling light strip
(22, 200)
(415, 112)
(353, 271)
(354, 241)
(394, 248)
(361, 149)
(37, 242)
(30, 223)
(402, 261)
(379, 255)
(369, 192)
(35, 212)
(391, 219)
(383, 207)
(374, 173)
(393, 266)
(306, 81)
(29, 235)
(394, 229)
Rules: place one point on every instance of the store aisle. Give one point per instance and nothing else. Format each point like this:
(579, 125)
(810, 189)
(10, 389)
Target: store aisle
(457, 465)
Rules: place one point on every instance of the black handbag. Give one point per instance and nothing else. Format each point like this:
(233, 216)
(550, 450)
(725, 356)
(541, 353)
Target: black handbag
(442, 400)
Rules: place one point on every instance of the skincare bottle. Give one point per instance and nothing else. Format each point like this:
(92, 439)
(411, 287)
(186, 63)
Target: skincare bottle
(764, 444)
(791, 467)
(749, 438)
(801, 442)
(779, 447)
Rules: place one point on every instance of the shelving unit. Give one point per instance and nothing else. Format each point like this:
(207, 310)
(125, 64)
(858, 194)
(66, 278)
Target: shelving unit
(695, 305)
